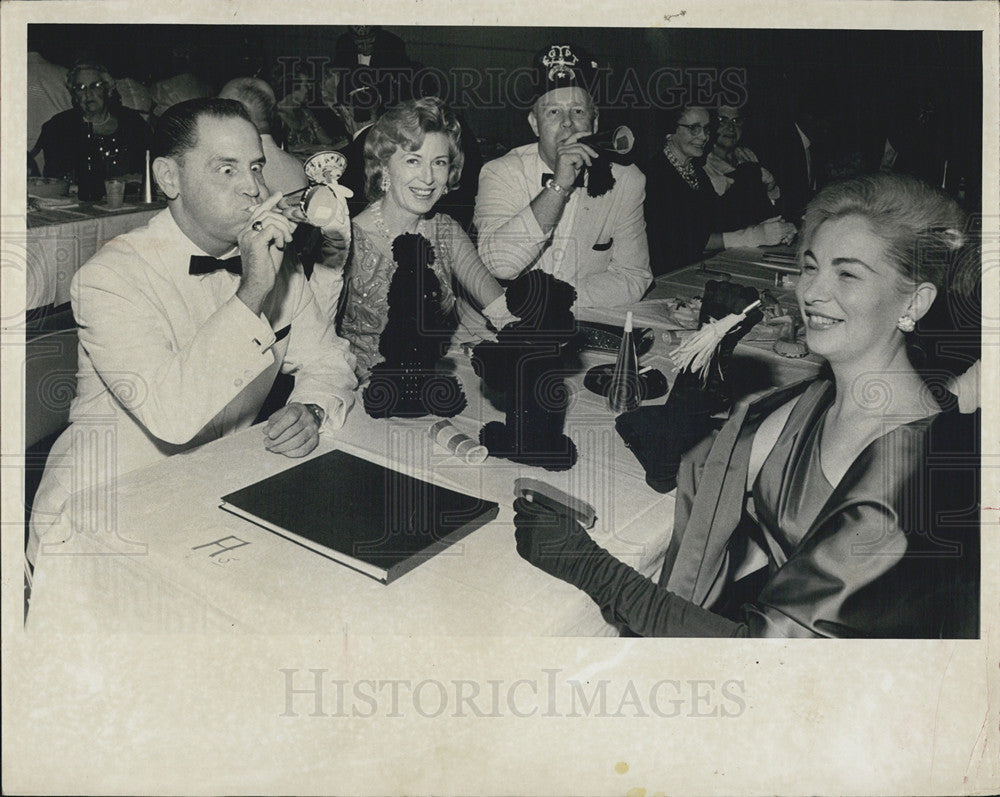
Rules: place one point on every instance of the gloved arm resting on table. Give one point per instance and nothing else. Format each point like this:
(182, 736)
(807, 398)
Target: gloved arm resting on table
(561, 547)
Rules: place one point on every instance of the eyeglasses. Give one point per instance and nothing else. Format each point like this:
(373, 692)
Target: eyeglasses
(697, 130)
(730, 121)
(80, 88)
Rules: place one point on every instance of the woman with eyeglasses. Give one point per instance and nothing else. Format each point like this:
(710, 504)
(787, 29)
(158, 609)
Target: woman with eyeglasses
(747, 191)
(681, 205)
(95, 138)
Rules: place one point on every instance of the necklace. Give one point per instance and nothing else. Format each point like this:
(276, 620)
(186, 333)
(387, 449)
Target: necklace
(383, 227)
(685, 170)
(380, 222)
(102, 124)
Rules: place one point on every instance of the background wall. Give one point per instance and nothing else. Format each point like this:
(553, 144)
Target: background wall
(868, 82)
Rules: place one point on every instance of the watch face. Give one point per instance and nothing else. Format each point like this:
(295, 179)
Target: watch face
(325, 167)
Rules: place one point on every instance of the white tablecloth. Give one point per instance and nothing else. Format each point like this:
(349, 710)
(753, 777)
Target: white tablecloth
(54, 252)
(149, 573)
(163, 568)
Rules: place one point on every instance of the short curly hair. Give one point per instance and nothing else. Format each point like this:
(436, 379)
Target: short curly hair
(80, 66)
(406, 125)
(72, 76)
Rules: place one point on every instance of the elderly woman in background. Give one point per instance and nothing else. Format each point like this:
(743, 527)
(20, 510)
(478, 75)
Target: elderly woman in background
(97, 136)
(747, 192)
(840, 507)
(413, 157)
(681, 205)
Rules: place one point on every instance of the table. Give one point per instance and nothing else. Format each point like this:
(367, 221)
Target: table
(174, 561)
(60, 240)
(761, 366)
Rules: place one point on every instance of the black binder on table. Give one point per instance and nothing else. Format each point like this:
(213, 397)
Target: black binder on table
(375, 520)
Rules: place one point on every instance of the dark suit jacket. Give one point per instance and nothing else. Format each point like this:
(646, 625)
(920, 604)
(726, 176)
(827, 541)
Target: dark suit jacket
(784, 156)
(354, 175)
(389, 64)
(389, 51)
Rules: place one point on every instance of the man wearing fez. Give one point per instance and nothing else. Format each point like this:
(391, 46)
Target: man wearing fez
(559, 205)
(177, 347)
(368, 57)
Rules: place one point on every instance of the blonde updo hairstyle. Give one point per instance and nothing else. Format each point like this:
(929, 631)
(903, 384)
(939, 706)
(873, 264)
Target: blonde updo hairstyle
(927, 239)
(922, 227)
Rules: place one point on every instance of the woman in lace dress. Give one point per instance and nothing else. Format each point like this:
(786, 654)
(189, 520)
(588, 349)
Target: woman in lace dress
(412, 158)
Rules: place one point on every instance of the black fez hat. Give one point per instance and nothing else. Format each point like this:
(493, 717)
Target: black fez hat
(563, 65)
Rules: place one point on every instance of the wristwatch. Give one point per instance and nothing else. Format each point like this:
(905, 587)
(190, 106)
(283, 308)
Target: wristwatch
(563, 192)
(317, 412)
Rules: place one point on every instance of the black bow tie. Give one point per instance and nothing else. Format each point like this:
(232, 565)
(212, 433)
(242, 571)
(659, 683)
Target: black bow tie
(204, 264)
(578, 183)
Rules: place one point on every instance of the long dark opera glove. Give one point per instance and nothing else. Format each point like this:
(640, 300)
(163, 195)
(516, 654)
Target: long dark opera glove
(561, 547)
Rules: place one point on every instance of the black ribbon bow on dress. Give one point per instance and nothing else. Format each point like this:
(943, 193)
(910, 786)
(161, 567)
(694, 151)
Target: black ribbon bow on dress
(205, 264)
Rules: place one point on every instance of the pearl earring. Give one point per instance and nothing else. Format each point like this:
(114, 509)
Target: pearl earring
(906, 324)
(385, 183)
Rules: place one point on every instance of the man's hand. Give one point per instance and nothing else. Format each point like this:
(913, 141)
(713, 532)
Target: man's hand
(261, 251)
(571, 157)
(293, 431)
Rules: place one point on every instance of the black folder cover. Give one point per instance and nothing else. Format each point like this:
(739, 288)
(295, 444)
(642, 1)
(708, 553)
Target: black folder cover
(373, 519)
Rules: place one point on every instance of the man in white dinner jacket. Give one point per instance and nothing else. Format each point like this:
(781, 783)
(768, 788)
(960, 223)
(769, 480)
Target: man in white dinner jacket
(177, 347)
(546, 205)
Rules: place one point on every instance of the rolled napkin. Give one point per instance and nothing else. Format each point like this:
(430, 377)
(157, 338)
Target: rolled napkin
(445, 434)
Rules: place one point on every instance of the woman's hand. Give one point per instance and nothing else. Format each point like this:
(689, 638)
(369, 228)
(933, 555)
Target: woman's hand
(552, 542)
(768, 233)
(498, 314)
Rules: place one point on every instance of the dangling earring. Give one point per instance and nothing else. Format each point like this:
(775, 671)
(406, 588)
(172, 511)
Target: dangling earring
(906, 323)
(385, 183)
